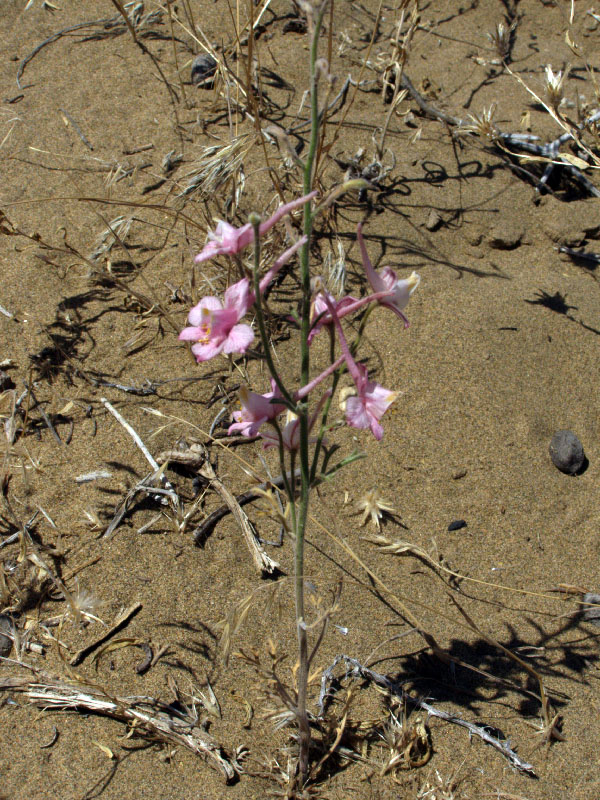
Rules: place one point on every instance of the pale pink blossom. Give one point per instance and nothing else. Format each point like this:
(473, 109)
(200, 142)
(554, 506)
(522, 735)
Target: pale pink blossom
(365, 409)
(290, 433)
(319, 312)
(214, 326)
(256, 409)
(228, 240)
(386, 280)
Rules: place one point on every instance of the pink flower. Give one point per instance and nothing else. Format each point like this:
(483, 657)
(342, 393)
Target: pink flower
(290, 434)
(227, 240)
(214, 327)
(371, 402)
(319, 313)
(388, 281)
(256, 410)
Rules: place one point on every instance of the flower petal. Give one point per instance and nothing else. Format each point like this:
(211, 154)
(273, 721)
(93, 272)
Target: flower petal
(204, 351)
(239, 340)
(195, 317)
(239, 298)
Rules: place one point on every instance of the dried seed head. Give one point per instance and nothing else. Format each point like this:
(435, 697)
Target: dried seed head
(373, 505)
(500, 37)
(554, 86)
(483, 124)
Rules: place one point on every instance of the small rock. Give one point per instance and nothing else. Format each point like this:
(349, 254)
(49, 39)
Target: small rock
(434, 221)
(295, 25)
(203, 69)
(6, 634)
(457, 525)
(566, 452)
(591, 613)
(458, 474)
(5, 381)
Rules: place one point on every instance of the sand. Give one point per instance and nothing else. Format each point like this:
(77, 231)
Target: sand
(501, 353)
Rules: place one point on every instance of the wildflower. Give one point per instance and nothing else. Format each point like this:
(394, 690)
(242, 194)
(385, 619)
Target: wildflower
(228, 240)
(290, 434)
(319, 314)
(365, 409)
(387, 281)
(256, 410)
(214, 325)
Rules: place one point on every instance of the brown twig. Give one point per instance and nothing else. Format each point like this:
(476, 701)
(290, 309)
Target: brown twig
(262, 561)
(121, 622)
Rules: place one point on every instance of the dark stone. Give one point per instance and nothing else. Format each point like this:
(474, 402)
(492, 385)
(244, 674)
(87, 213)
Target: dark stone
(203, 69)
(6, 633)
(295, 25)
(457, 525)
(591, 613)
(5, 381)
(566, 452)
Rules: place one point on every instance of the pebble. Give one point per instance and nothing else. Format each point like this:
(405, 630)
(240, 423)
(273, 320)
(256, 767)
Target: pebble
(591, 613)
(5, 381)
(566, 452)
(457, 525)
(434, 221)
(203, 68)
(6, 629)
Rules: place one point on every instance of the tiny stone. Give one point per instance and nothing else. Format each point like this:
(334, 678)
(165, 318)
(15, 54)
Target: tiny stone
(434, 221)
(457, 525)
(566, 452)
(295, 25)
(5, 381)
(203, 68)
(458, 474)
(591, 613)
(6, 630)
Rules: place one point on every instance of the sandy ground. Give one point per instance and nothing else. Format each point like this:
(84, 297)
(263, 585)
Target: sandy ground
(501, 353)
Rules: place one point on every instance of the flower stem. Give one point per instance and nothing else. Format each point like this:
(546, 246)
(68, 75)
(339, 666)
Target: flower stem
(302, 409)
(260, 317)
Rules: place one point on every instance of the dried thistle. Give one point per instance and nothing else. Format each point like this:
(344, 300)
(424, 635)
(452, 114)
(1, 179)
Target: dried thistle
(117, 230)
(86, 604)
(217, 166)
(441, 788)
(482, 124)
(407, 740)
(373, 506)
(554, 86)
(336, 269)
(501, 38)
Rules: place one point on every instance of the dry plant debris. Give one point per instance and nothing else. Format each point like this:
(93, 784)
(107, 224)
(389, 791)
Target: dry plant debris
(145, 716)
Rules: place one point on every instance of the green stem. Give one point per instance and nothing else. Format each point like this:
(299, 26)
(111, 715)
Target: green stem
(260, 317)
(302, 411)
(326, 407)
